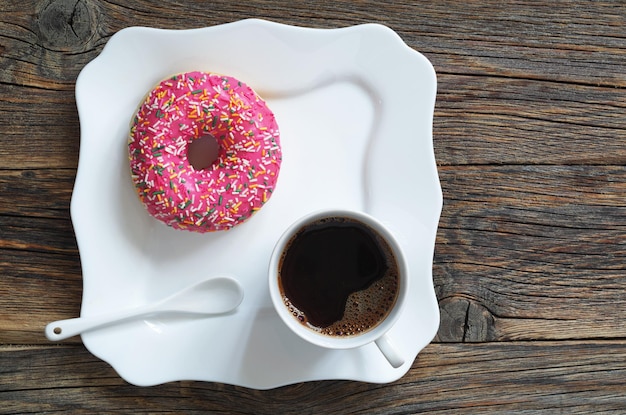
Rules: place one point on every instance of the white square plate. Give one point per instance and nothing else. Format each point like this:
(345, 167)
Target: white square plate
(355, 108)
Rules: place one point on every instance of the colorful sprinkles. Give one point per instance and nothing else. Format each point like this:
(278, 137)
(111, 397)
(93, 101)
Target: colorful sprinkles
(186, 107)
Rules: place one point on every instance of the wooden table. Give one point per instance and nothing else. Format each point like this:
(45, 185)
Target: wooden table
(529, 269)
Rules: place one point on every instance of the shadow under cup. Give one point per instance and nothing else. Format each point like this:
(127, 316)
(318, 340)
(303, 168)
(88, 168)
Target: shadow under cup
(338, 279)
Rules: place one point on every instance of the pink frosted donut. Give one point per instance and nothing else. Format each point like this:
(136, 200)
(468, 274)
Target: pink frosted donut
(182, 109)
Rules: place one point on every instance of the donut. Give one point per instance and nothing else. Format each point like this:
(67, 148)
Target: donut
(231, 188)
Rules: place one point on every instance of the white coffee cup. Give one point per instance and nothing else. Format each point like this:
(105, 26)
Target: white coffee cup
(378, 334)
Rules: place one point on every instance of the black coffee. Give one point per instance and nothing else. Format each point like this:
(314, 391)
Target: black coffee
(339, 277)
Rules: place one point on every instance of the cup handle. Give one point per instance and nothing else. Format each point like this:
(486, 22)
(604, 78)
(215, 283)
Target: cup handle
(389, 351)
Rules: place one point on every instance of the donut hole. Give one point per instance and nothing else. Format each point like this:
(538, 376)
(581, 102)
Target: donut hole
(202, 151)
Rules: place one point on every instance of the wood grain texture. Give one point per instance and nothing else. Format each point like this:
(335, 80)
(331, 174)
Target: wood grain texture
(535, 244)
(530, 140)
(513, 108)
(492, 120)
(519, 378)
(511, 240)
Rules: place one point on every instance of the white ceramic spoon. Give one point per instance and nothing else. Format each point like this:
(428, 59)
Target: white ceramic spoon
(206, 298)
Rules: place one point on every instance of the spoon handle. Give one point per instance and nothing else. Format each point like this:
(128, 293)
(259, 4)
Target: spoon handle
(64, 329)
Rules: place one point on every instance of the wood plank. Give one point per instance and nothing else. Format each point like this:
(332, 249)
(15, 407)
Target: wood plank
(571, 42)
(24, 234)
(538, 250)
(36, 288)
(523, 252)
(40, 128)
(539, 92)
(477, 121)
(583, 43)
(41, 193)
(512, 378)
(490, 120)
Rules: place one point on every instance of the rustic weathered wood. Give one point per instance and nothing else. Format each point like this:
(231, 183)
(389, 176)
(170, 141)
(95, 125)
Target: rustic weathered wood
(505, 96)
(541, 248)
(40, 193)
(530, 139)
(490, 120)
(512, 239)
(518, 378)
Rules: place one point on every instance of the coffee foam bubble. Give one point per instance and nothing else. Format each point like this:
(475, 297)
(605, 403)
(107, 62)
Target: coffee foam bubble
(365, 309)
